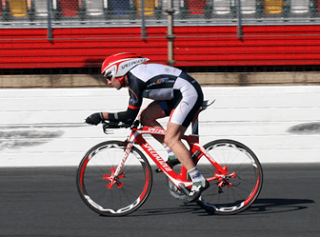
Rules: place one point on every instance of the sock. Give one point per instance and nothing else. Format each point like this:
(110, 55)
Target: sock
(171, 155)
(196, 177)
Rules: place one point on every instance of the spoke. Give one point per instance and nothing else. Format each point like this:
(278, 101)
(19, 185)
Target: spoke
(107, 192)
(231, 194)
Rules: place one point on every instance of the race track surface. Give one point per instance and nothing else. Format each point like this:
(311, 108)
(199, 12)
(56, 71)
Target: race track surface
(44, 202)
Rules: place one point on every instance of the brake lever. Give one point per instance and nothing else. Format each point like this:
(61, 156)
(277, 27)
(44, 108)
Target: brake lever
(135, 124)
(106, 126)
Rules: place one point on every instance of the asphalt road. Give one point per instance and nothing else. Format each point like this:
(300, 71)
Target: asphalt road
(44, 202)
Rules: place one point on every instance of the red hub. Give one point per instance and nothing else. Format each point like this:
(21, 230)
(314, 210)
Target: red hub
(223, 179)
(113, 179)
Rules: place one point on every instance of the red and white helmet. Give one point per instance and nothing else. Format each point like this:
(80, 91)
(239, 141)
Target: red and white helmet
(118, 65)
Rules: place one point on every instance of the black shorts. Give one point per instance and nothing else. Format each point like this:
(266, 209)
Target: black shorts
(184, 106)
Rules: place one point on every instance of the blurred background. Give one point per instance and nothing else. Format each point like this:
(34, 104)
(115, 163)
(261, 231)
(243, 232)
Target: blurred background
(75, 36)
(258, 58)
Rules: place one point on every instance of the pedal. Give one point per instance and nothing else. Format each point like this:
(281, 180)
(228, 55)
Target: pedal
(186, 192)
(184, 189)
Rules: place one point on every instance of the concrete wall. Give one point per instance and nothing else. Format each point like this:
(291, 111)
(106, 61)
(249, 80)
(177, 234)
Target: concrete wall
(205, 79)
(45, 127)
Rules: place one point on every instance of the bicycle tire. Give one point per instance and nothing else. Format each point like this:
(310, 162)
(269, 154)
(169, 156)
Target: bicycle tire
(244, 188)
(120, 196)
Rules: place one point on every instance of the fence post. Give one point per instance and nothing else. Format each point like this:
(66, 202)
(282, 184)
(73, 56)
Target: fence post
(170, 35)
(49, 30)
(239, 20)
(143, 23)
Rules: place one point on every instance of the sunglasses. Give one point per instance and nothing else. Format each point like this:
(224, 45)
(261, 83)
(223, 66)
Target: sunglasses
(107, 76)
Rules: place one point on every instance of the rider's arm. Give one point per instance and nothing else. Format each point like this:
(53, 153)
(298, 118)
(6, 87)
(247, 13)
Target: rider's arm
(136, 87)
(125, 116)
(135, 101)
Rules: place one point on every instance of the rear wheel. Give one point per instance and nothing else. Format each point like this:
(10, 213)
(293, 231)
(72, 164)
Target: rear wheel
(232, 193)
(111, 195)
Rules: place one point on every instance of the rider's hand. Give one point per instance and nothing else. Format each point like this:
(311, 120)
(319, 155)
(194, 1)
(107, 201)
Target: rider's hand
(95, 119)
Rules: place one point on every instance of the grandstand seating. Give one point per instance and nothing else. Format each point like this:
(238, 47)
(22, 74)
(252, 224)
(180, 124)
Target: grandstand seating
(300, 6)
(18, 8)
(40, 8)
(94, 8)
(273, 6)
(90, 9)
(69, 8)
(149, 6)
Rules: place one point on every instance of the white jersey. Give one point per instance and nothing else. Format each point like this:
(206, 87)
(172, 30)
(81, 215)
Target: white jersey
(161, 83)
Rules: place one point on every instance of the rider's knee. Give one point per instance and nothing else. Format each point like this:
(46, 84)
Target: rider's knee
(145, 118)
(142, 117)
(167, 142)
(170, 141)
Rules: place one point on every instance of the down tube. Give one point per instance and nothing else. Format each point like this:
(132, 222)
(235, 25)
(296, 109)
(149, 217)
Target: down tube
(164, 167)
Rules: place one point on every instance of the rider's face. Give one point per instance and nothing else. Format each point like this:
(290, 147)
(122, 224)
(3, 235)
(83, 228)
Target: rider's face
(114, 82)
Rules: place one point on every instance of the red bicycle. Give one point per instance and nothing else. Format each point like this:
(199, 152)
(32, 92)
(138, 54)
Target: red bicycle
(115, 178)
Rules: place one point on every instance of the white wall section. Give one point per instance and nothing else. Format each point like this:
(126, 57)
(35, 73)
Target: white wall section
(45, 127)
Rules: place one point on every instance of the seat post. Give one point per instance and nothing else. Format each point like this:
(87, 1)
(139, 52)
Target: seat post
(195, 127)
(195, 121)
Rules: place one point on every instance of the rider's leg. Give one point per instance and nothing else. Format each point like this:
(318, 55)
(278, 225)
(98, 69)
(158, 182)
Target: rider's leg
(171, 155)
(149, 116)
(172, 139)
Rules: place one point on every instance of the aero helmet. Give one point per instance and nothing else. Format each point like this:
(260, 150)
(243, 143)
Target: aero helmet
(118, 65)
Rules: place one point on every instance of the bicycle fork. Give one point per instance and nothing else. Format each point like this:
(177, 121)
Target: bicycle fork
(116, 173)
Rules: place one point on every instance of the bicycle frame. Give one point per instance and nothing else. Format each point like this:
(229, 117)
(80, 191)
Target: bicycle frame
(213, 160)
(180, 180)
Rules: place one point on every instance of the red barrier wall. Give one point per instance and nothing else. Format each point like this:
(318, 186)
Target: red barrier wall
(193, 46)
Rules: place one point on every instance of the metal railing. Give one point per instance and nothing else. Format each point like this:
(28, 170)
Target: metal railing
(119, 13)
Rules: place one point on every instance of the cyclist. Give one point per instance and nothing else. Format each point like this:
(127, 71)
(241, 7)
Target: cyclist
(175, 94)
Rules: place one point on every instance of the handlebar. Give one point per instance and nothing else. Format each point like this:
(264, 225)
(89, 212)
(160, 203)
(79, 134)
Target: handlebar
(107, 125)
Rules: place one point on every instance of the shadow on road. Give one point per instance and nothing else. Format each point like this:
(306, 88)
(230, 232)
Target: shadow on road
(270, 205)
(167, 211)
(260, 206)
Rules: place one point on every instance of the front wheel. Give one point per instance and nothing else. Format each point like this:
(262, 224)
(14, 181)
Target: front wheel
(109, 194)
(235, 192)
